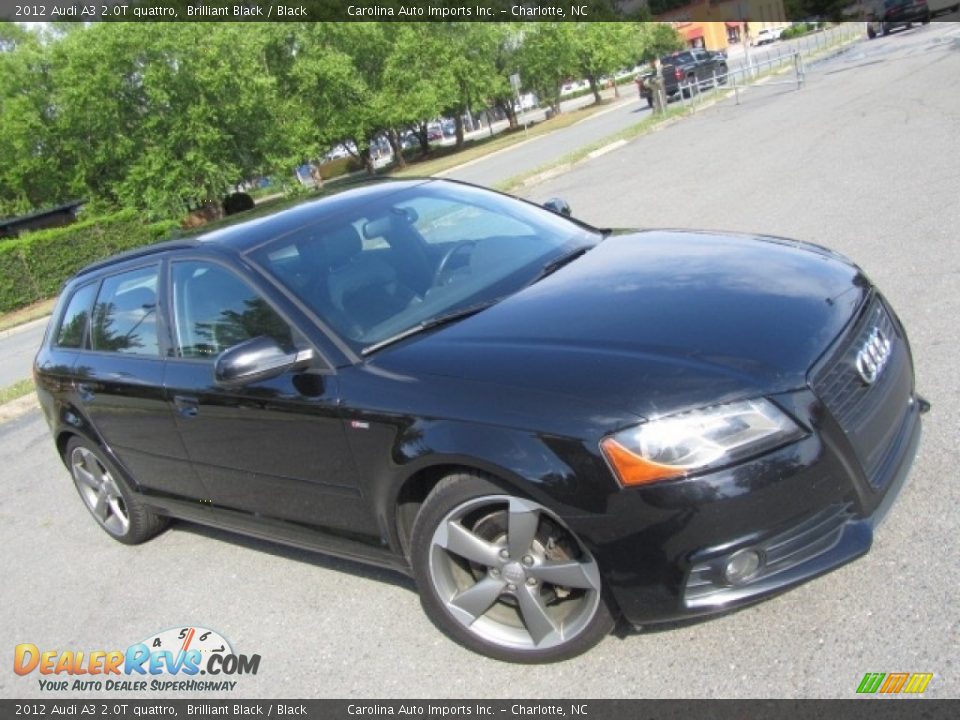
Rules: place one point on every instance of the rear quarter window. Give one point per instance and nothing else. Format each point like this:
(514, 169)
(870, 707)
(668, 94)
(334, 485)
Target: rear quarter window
(73, 326)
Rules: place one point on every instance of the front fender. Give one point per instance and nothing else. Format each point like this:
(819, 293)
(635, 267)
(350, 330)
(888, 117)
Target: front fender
(560, 473)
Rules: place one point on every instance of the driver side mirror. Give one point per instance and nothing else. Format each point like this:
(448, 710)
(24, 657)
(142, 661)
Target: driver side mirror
(256, 359)
(559, 206)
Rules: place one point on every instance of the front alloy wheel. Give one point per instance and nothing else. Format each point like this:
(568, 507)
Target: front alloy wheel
(504, 576)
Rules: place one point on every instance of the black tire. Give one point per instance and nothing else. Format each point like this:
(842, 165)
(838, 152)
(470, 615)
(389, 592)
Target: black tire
(504, 630)
(871, 33)
(649, 101)
(124, 516)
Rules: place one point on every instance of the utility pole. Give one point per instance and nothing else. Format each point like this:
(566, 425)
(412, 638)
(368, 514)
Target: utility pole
(746, 36)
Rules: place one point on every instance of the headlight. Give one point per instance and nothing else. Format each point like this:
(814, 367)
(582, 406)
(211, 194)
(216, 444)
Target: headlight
(677, 445)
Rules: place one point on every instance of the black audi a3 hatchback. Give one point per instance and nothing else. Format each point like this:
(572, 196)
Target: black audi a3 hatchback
(547, 425)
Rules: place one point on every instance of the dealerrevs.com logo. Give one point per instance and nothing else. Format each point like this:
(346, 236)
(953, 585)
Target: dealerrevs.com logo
(172, 660)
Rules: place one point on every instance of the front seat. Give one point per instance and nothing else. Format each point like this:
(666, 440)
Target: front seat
(359, 284)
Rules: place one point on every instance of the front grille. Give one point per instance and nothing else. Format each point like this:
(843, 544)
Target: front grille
(839, 384)
(869, 414)
(787, 551)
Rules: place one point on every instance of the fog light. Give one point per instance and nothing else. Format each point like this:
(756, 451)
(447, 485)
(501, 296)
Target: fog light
(741, 566)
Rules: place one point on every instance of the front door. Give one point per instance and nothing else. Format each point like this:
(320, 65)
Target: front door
(274, 449)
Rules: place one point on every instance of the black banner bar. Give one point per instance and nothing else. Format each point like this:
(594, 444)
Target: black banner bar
(380, 10)
(874, 708)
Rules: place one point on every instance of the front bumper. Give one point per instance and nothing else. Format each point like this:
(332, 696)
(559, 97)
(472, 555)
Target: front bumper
(804, 509)
(822, 542)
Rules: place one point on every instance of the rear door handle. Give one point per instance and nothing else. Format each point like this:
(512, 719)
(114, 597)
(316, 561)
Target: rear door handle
(186, 405)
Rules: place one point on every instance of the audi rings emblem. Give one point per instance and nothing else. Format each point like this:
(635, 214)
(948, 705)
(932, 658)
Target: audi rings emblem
(873, 356)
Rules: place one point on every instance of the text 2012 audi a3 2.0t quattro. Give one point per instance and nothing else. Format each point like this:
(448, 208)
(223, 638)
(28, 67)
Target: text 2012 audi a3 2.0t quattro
(547, 425)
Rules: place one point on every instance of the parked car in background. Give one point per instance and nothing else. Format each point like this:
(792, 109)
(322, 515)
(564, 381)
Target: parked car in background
(887, 15)
(691, 71)
(527, 101)
(548, 425)
(767, 35)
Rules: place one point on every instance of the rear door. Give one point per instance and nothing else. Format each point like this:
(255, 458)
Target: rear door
(117, 382)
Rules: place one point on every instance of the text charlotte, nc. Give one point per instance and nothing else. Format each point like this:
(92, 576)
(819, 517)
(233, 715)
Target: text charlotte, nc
(517, 11)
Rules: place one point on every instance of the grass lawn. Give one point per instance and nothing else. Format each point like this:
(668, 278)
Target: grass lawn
(26, 314)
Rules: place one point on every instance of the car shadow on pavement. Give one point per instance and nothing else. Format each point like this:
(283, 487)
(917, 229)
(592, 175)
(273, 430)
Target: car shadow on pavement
(317, 559)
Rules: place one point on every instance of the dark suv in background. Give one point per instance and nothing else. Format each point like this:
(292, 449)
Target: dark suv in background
(889, 14)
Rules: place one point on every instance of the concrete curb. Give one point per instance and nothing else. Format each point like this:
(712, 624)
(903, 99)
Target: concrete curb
(23, 327)
(16, 408)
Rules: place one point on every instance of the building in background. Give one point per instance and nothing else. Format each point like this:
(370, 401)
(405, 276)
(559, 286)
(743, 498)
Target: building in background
(720, 24)
(58, 216)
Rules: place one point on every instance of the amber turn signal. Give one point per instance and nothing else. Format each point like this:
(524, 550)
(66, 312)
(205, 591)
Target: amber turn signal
(631, 469)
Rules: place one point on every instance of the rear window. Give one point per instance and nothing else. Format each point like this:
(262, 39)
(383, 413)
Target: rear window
(678, 58)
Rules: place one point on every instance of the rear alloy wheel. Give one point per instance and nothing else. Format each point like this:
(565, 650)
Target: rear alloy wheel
(115, 508)
(503, 576)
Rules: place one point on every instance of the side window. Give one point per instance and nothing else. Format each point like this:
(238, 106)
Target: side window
(125, 315)
(73, 327)
(214, 309)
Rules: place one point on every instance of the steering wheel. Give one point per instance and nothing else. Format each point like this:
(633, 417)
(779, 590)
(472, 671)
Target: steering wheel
(445, 260)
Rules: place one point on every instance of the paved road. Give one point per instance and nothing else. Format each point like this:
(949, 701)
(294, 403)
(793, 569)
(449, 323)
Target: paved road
(17, 348)
(864, 160)
(547, 148)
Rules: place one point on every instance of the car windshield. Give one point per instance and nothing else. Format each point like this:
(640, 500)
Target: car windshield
(408, 258)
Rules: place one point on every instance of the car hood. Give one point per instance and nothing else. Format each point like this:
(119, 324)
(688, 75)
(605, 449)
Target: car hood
(655, 322)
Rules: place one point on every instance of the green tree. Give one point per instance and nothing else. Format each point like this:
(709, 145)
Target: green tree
(30, 174)
(602, 48)
(548, 57)
(413, 90)
(656, 40)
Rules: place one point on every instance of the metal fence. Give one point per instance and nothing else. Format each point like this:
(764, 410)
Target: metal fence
(771, 62)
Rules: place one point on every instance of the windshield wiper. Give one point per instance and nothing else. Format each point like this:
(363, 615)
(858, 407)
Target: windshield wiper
(433, 322)
(557, 263)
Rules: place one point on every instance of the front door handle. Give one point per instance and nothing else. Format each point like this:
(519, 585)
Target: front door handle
(85, 391)
(186, 405)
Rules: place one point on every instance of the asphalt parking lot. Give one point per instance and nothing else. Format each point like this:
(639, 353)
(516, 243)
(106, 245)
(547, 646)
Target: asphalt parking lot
(864, 160)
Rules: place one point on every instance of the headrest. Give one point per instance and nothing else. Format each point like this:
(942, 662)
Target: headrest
(341, 244)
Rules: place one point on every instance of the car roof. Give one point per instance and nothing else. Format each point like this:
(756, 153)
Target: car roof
(247, 233)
